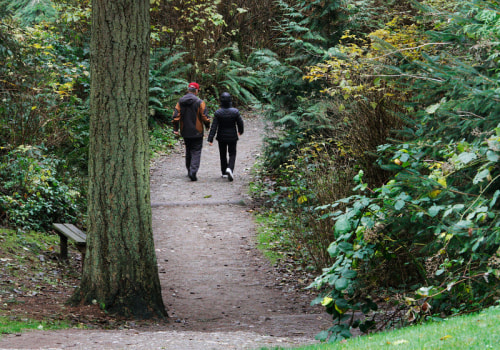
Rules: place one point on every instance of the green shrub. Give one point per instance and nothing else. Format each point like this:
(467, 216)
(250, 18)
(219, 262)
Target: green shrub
(161, 140)
(427, 233)
(431, 233)
(28, 12)
(44, 84)
(421, 229)
(37, 191)
(317, 173)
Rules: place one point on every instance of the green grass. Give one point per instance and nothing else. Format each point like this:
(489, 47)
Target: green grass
(477, 331)
(269, 238)
(11, 241)
(13, 326)
(21, 268)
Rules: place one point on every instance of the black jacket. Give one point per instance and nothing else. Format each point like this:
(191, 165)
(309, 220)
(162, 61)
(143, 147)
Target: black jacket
(227, 123)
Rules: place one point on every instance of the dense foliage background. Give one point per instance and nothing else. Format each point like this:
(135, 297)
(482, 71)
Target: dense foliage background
(381, 162)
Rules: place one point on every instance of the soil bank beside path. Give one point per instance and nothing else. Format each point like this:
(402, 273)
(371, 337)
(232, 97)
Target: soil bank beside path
(219, 291)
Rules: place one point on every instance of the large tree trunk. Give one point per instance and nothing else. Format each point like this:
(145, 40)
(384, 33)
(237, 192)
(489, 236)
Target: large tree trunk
(120, 270)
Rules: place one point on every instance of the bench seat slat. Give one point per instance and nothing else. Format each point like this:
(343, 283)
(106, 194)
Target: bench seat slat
(71, 231)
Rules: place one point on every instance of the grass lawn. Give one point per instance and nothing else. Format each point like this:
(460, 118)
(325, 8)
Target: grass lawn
(477, 331)
(10, 326)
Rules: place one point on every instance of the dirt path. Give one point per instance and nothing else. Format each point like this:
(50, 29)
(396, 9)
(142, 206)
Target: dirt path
(219, 291)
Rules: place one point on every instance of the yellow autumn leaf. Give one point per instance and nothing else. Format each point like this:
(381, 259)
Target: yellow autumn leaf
(326, 301)
(442, 182)
(436, 165)
(339, 310)
(446, 337)
(434, 193)
(302, 199)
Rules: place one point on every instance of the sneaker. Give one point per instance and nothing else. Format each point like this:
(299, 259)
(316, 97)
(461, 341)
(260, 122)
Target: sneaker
(224, 176)
(192, 176)
(229, 173)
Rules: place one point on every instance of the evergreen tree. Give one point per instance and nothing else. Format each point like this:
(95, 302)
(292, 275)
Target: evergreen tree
(120, 270)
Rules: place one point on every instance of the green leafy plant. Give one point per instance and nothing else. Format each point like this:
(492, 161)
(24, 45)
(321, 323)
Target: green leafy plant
(230, 72)
(423, 233)
(36, 191)
(44, 85)
(29, 12)
(161, 140)
(166, 82)
(434, 226)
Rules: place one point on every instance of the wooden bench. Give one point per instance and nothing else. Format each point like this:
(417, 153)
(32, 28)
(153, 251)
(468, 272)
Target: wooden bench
(66, 231)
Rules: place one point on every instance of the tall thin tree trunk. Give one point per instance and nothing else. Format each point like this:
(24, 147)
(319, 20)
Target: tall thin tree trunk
(120, 270)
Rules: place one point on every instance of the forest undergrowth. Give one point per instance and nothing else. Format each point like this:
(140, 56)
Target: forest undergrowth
(380, 171)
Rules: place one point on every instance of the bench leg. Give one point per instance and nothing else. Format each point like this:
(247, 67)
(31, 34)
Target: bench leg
(64, 247)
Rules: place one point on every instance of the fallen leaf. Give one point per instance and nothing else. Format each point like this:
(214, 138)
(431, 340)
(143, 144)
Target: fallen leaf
(426, 307)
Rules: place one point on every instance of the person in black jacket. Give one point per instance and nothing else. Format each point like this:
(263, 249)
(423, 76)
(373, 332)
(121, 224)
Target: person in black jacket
(228, 125)
(190, 115)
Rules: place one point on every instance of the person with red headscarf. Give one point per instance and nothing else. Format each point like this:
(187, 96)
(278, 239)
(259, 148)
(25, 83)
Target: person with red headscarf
(190, 117)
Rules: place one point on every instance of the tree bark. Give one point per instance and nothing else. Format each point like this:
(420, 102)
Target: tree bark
(120, 270)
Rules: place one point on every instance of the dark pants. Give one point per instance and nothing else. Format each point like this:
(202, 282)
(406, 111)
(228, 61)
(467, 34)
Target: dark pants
(224, 149)
(193, 154)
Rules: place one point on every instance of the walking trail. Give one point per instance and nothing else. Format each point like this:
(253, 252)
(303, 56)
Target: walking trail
(220, 292)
